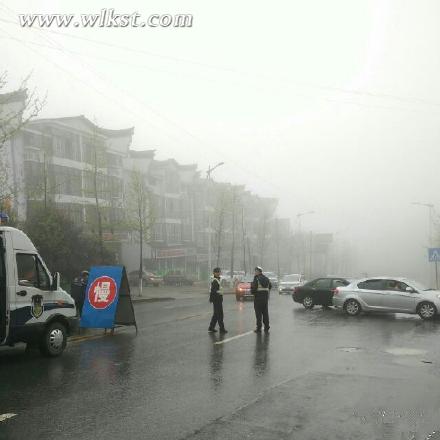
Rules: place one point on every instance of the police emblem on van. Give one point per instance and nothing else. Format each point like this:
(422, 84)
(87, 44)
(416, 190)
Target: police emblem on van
(37, 308)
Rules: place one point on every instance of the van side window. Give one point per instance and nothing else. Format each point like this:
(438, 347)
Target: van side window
(43, 277)
(27, 270)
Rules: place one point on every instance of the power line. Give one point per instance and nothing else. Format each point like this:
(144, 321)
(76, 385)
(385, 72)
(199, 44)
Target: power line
(414, 100)
(239, 166)
(302, 95)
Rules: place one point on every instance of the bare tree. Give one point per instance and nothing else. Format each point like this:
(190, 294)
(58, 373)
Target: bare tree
(140, 214)
(7, 193)
(14, 117)
(96, 168)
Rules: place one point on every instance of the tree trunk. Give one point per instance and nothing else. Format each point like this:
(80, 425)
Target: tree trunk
(141, 257)
(98, 211)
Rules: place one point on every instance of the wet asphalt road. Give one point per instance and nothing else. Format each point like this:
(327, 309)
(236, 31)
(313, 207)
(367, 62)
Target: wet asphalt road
(318, 375)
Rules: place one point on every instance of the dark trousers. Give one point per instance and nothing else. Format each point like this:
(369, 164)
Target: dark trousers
(218, 314)
(261, 309)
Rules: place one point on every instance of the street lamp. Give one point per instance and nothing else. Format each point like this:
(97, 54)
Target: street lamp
(210, 170)
(208, 178)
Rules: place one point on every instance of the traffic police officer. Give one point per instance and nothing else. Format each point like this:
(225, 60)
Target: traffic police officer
(260, 287)
(216, 298)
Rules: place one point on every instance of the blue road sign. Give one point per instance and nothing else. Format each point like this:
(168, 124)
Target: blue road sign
(434, 254)
(102, 295)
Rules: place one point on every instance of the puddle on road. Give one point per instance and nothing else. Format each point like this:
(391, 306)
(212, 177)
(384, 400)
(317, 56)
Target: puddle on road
(402, 351)
(349, 349)
(407, 356)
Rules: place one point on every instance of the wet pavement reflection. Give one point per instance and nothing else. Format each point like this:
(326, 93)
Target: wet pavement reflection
(261, 354)
(175, 380)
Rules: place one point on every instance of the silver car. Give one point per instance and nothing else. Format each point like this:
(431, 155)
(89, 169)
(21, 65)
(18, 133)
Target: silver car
(387, 294)
(289, 282)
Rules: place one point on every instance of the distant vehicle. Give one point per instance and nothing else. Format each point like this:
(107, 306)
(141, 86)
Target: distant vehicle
(228, 281)
(148, 278)
(243, 288)
(289, 282)
(177, 278)
(318, 292)
(273, 277)
(387, 294)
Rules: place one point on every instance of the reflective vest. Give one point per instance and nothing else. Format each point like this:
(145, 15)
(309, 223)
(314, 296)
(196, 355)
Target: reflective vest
(260, 288)
(219, 291)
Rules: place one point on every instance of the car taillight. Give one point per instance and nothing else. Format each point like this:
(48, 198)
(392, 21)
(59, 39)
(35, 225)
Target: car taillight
(295, 290)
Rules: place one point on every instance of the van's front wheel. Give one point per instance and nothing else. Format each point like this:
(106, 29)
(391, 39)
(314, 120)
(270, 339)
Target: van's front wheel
(54, 340)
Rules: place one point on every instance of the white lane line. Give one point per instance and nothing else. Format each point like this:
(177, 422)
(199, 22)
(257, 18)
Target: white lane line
(6, 416)
(233, 338)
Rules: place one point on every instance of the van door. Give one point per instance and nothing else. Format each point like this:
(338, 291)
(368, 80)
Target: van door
(3, 297)
(32, 289)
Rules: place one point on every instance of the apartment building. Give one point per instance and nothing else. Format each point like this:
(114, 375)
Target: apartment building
(72, 163)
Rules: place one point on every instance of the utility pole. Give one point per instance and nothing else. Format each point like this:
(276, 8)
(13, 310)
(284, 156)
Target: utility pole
(208, 178)
(249, 253)
(234, 197)
(277, 240)
(243, 239)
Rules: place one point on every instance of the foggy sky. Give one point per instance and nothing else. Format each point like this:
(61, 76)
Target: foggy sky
(329, 106)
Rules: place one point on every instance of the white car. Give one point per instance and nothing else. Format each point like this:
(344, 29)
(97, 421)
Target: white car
(387, 294)
(273, 278)
(289, 282)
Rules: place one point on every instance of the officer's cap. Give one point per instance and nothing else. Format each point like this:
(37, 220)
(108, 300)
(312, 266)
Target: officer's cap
(259, 268)
(216, 270)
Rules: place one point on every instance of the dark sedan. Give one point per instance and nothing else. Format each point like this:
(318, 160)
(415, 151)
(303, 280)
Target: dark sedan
(318, 292)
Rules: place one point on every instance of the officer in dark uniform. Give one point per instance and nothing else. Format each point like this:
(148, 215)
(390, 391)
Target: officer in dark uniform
(78, 290)
(260, 287)
(216, 298)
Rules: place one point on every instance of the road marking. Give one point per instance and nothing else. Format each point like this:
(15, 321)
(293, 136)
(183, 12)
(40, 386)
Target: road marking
(233, 338)
(6, 416)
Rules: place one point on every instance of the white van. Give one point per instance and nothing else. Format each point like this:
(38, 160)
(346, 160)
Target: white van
(33, 307)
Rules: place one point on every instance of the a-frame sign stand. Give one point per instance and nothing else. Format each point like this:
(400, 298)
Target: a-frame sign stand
(108, 301)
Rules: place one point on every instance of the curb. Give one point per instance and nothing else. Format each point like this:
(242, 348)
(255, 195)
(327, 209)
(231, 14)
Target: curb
(97, 334)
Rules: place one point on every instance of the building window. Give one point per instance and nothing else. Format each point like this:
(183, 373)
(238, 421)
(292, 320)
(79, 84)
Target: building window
(157, 233)
(66, 146)
(114, 160)
(32, 154)
(66, 180)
